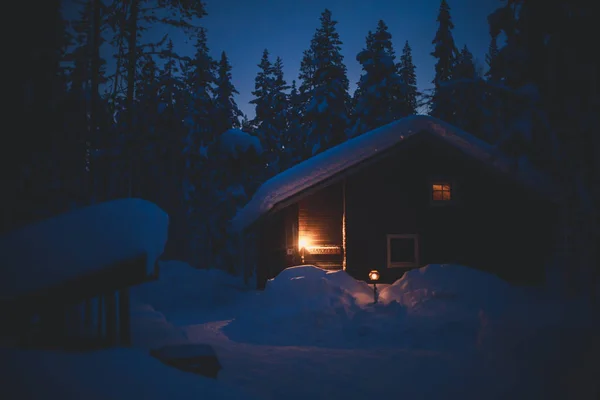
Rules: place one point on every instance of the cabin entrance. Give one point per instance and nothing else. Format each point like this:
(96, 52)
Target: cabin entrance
(320, 228)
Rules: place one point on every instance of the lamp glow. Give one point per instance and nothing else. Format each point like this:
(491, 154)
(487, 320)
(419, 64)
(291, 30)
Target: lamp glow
(374, 275)
(303, 243)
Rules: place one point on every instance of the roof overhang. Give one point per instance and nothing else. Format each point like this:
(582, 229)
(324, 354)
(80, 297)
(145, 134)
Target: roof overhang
(340, 161)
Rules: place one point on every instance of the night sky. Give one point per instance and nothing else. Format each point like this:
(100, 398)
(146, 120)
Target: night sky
(244, 28)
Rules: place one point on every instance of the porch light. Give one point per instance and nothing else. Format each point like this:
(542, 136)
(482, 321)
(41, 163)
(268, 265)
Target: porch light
(303, 243)
(374, 277)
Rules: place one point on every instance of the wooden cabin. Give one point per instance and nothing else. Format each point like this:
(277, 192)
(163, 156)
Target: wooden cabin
(64, 281)
(414, 192)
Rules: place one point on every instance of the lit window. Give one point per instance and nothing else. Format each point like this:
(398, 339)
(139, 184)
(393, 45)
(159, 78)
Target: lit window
(441, 191)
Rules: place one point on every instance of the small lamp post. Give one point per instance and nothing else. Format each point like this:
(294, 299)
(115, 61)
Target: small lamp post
(374, 277)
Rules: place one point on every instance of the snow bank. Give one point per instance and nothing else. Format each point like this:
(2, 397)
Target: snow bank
(80, 242)
(434, 307)
(110, 374)
(339, 158)
(184, 293)
(303, 305)
(235, 140)
(452, 283)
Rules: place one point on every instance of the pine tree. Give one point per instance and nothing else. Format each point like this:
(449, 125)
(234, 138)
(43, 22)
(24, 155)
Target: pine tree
(307, 74)
(293, 145)
(129, 19)
(200, 81)
(227, 112)
(326, 115)
(445, 53)
(551, 96)
(380, 87)
(490, 59)
(271, 108)
(467, 95)
(263, 87)
(406, 70)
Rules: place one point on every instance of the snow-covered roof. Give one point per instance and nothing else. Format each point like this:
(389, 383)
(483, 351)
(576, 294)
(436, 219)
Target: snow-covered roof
(80, 242)
(339, 158)
(235, 140)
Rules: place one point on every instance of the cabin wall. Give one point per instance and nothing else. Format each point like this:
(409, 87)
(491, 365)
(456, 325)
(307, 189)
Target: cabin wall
(277, 244)
(492, 224)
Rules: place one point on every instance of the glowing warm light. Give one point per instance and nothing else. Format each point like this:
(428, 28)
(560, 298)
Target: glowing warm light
(303, 242)
(442, 191)
(374, 275)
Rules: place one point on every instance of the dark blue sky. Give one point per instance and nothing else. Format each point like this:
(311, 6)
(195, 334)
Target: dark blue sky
(243, 28)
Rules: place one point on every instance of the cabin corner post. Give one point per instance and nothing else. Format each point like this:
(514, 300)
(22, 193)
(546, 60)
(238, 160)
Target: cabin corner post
(344, 224)
(111, 317)
(124, 317)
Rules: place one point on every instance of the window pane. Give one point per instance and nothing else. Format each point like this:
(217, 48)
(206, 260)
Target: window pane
(402, 250)
(437, 195)
(437, 187)
(446, 187)
(446, 196)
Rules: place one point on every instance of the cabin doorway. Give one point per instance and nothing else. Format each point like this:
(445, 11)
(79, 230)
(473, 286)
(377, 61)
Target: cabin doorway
(320, 237)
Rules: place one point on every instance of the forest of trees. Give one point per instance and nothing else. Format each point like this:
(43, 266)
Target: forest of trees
(151, 127)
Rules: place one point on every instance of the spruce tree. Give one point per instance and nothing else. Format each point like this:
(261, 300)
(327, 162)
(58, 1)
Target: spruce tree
(491, 58)
(467, 95)
(445, 52)
(558, 119)
(263, 87)
(227, 112)
(200, 81)
(271, 108)
(307, 74)
(293, 144)
(380, 87)
(406, 70)
(326, 115)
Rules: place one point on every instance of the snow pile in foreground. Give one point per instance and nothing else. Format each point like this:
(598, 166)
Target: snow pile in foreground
(437, 306)
(448, 283)
(109, 374)
(183, 292)
(80, 242)
(303, 305)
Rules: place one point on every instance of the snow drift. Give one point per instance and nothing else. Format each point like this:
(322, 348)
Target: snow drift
(436, 306)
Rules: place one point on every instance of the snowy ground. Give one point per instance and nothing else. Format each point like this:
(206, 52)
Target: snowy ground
(440, 332)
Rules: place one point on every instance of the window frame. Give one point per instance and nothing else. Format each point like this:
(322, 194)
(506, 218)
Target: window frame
(442, 181)
(390, 237)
